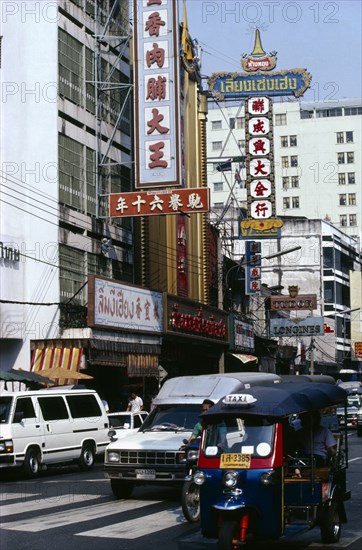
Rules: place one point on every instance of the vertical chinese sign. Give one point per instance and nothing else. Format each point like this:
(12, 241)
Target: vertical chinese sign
(156, 80)
(252, 267)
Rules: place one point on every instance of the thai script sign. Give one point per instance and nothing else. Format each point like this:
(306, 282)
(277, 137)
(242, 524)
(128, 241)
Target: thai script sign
(310, 326)
(156, 86)
(116, 305)
(303, 301)
(238, 85)
(197, 320)
(166, 201)
(243, 335)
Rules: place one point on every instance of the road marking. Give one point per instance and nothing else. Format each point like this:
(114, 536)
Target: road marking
(139, 527)
(68, 517)
(4, 497)
(353, 459)
(43, 502)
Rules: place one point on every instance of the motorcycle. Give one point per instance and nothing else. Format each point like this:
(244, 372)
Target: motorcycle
(190, 493)
(251, 486)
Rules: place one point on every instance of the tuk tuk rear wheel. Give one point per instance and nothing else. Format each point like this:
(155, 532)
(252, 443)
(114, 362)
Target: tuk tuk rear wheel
(190, 501)
(229, 536)
(330, 524)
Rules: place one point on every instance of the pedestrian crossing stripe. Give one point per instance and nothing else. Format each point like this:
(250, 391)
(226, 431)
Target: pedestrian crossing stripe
(44, 503)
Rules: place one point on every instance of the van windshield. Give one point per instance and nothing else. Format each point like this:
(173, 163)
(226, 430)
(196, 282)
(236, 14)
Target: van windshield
(5, 404)
(172, 418)
(246, 435)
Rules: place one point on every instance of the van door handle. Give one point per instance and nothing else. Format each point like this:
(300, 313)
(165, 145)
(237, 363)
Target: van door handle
(48, 428)
(37, 425)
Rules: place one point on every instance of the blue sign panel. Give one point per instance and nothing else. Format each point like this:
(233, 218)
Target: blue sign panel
(237, 85)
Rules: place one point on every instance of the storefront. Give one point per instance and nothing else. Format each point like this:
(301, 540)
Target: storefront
(195, 337)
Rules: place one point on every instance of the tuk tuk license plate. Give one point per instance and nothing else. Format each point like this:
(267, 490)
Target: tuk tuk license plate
(146, 474)
(235, 460)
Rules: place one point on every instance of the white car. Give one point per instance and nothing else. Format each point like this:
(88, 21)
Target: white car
(125, 423)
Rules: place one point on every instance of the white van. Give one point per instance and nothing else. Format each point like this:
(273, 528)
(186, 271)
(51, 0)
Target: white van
(153, 454)
(52, 426)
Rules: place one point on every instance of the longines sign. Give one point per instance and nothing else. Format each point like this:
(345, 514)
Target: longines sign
(311, 326)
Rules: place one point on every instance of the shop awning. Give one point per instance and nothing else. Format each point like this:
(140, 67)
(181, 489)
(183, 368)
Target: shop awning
(67, 359)
(244, 358)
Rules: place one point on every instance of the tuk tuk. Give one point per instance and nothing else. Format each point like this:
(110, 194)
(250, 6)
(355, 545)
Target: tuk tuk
(253, 486)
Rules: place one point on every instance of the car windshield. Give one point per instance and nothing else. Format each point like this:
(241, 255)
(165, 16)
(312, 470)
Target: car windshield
(5, 404)
(245, 435)
(172, 418)
(122, 421)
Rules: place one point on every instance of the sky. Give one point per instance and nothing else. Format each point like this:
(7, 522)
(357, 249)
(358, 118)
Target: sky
(321, 36)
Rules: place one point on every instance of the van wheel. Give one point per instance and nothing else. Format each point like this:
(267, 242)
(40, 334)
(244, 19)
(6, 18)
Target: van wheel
(121, 489)
(229, 536)
(330, 524)
(31, 463)
(86, 459)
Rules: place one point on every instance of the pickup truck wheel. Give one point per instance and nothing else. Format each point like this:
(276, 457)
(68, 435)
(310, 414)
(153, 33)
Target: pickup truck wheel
(228, 536)
(121, 489)
(86, 459)
(31, 464)
(330, 524)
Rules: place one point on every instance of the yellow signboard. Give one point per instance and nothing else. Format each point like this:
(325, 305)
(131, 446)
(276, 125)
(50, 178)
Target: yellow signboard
(235, 460)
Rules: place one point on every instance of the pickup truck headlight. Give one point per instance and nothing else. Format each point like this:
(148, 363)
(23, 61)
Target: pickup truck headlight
(193, 455)
(113, 456)
(6, 446)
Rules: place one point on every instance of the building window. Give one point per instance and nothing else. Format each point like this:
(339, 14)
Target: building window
(343, 220)
(293, 141)
(218, 205)
(216, 145)
(89, 86)
(340, 137)
(340, 158)
(306, 114)
(342, 200)
(285, 183)
(284, 141)
(216, 125)
(294, 160)
(341, 179)
(352, 199)
(295, 202)
(352, 220)
(281, 120)
(350, 158)
(295, 181)
(349, 137)
(285, 162)
(70, 172)
(218, 185)
(72, 273)
(237, 123)
(286, 203)
(70, 67)
(351, 177)
(349, 111)
(241, 143)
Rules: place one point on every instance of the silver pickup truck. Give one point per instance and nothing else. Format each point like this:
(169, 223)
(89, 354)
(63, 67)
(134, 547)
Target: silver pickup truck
(153, 454)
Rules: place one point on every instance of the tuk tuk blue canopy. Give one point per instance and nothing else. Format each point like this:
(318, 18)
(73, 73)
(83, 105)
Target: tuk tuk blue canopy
(282, 400)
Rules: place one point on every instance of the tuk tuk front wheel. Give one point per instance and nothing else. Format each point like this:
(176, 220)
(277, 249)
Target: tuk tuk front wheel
(190, 501)
(229, 535)
(330, 524)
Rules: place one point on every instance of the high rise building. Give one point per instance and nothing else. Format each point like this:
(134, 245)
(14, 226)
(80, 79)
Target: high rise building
(65, 144)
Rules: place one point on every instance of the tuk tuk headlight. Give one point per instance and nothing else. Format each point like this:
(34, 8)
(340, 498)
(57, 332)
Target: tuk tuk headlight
(267, 478)
(193, 455)
(230, 479)
(199, 478)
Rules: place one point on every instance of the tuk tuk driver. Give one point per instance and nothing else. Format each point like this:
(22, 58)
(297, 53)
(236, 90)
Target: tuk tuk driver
(324, 443)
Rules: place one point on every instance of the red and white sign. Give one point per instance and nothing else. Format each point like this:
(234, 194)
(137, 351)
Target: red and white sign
(259, 126)
(156, 84)
(258, 105)
(166, 201)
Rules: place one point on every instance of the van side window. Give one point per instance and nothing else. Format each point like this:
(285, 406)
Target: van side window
(83, 405)
(24, 409)
(53, 408)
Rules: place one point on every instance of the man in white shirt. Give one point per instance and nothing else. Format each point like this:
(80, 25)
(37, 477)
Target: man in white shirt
(135, 403)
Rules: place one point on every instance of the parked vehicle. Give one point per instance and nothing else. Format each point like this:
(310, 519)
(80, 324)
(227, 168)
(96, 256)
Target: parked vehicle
(248, 484)
(190, 494)
(354, 404)
(153, 454)
(51, 426)
(122, 424)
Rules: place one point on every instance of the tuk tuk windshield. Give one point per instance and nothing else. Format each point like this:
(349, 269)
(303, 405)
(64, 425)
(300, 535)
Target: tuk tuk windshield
(236, 434)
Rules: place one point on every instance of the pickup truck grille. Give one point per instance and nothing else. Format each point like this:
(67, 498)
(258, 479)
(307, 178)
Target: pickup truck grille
(149, 458)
